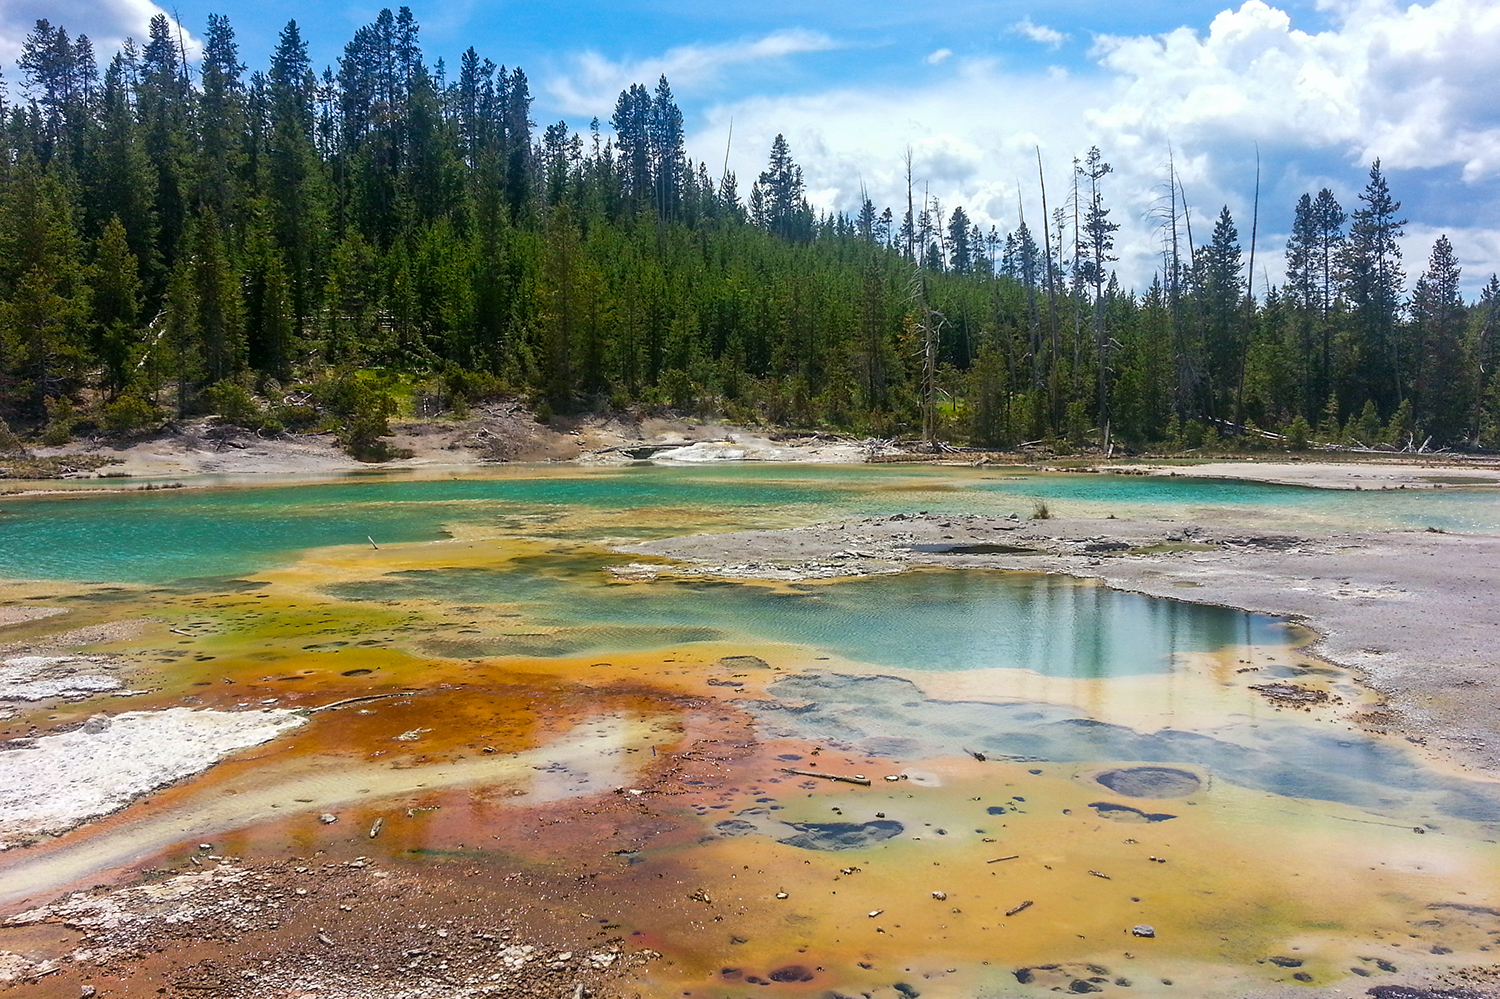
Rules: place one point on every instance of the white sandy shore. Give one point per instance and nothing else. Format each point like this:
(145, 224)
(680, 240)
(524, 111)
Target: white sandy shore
(59, 781)
(41, 678)
(1378, 473)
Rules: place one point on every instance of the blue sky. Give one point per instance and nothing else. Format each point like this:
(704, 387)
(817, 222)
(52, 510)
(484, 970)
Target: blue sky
(1318, 88)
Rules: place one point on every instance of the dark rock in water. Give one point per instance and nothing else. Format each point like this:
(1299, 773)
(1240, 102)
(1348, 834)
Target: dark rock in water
(734, 827)
(792, 973)
(945, 548)
(1285, 962)
(1151, 782)
(906, 991)
(1302, 976)
(743, 662)
(1127, 813)
(841, 835)
(1385, 965)
(1024, 976)
(1080, 986)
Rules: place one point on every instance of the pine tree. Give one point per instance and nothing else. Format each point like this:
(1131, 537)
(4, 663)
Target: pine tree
(1440, 389)
(1373, 285)
(114, 330)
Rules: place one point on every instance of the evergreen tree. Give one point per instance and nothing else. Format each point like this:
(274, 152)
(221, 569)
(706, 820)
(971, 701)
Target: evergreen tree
(1373, 285)
(1440, 391)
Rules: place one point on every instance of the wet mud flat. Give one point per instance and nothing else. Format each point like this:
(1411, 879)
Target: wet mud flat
(716, 813)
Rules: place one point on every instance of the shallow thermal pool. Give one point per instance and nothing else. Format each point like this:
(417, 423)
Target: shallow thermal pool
(1050, 762)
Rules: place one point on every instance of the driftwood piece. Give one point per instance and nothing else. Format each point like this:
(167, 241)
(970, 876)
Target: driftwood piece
(358, 700)
(856, 779)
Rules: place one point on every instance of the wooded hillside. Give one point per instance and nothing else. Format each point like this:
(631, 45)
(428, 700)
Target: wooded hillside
(292, 248)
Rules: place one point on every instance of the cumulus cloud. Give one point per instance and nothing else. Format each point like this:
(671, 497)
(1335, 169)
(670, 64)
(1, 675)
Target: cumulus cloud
(594, 81)
(939, 57)
(1410, 85)
(107, 23)
(1039, 33)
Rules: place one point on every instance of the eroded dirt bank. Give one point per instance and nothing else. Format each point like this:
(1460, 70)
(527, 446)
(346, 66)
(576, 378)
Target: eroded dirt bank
(1414, 612)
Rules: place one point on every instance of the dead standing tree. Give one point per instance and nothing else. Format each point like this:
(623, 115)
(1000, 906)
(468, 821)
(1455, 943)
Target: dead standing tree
(929, 326)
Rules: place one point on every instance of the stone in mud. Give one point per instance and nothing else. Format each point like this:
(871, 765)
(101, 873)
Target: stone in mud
(1285, 962)
(734, 827)
(1143, 930)
(743, 662)
(841, 835)
(1080, 986)
(1151, 782)
(1127, 813)
(792, 973)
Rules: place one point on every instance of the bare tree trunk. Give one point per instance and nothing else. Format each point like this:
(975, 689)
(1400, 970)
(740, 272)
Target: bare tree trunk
(1051, 284)
(1239, 401)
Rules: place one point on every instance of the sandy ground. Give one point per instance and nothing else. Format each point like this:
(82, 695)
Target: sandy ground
(495, 434)
(1377, 473)
(1412, 612)
(331, 927)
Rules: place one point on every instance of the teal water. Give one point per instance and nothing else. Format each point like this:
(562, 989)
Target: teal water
(162, 536)
(938, 620)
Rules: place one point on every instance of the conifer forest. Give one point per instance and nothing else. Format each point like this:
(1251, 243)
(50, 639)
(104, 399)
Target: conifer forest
(294, 248)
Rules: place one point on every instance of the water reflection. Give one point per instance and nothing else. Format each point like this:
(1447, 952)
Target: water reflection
(940, 620)
(890, 717)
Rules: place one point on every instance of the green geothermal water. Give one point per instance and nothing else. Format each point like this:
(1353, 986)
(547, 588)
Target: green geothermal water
(939, 620)
(167, 535)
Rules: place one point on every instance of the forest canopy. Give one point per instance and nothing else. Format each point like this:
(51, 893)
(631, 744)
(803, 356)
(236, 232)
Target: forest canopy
(291, 247)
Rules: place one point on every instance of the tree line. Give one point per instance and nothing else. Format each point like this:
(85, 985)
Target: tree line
(292, 248)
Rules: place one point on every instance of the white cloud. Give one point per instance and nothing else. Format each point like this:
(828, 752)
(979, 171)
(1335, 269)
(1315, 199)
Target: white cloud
(1410, 85)
(107, 23)
(596, 81)
(1039, 33)
(939, 57)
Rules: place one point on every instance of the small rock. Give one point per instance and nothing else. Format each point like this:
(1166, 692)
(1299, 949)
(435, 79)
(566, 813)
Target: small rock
(328, 818)
(941, 896)
(1142, 930)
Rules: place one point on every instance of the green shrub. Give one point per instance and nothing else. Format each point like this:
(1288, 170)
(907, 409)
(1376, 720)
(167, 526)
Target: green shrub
(1368, 427)
(364, 407)
(61, 419)
(234, 403)
(678, 389)
(1298, 434)
(130, 414)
